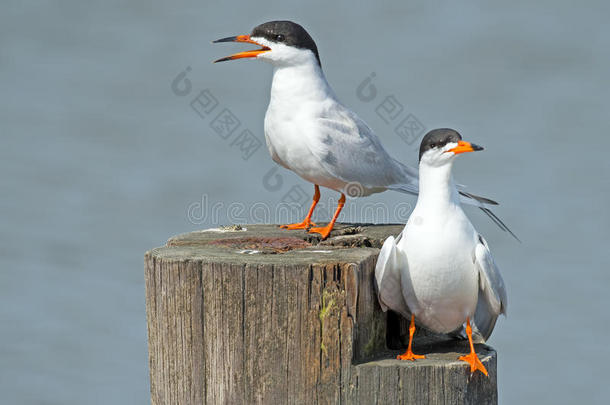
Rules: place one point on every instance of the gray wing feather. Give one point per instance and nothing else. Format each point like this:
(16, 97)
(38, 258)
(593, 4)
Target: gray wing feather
(349, 150)
(388, 278)
(492, 292)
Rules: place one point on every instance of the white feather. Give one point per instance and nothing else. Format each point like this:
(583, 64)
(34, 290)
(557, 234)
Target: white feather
(493, 300)
(388, 269)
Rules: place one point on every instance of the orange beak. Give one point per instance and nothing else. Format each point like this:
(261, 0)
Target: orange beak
(464, 146)
(246, 54)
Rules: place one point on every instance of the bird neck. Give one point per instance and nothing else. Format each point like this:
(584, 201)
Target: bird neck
(295, 85)
(436, 186)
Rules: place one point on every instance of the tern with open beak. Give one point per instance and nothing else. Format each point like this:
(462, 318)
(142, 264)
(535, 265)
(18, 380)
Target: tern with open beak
(310, 132)
(439, 270)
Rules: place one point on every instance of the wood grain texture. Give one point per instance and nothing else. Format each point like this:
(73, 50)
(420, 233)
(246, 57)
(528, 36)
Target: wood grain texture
(298, 327)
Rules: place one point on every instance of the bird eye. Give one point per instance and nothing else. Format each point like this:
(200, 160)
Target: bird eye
(279, 38)
(432, 145)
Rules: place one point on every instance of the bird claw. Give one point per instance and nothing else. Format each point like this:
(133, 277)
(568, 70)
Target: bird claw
(409, 355)
(475, 363)
(324, 231)
(298, 225)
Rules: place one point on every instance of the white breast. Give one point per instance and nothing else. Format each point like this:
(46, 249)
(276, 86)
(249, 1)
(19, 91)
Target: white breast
(300, 95)
(439, 250)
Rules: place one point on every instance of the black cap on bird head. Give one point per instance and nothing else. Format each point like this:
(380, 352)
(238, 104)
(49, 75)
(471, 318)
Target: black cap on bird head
(438, 138)
(288, 33)
(273, 32)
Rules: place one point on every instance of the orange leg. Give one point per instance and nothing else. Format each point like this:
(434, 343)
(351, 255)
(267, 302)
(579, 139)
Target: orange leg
(472, 359)
(408, 355)
(307, 221)
(325, 230)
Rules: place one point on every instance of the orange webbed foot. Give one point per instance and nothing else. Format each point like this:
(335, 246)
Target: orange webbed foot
(472, 358)
(299, 225)
(409, 355)
(475, 363)
(324, 231)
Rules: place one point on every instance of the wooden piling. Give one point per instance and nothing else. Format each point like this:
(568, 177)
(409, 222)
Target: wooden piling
(268, 316)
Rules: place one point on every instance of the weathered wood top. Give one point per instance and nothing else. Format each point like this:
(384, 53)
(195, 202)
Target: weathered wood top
(270, 244)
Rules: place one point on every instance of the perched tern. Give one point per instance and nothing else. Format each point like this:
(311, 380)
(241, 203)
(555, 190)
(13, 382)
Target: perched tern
(439, 270)
(310, 132)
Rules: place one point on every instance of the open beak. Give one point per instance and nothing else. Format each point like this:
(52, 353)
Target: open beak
(246, 54)
(464, 146)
